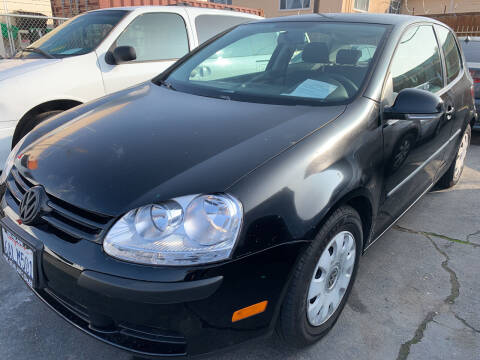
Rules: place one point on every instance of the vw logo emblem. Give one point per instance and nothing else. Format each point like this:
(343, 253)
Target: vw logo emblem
(31, 205)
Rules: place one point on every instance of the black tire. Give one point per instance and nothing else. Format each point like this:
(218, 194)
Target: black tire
(451, 178)
(293, 325)
(34, 121)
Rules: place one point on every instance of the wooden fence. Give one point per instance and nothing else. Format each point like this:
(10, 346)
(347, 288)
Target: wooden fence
(463, 24)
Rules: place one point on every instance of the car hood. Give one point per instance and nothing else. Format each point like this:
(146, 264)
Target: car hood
(13, 67)
(150, 144)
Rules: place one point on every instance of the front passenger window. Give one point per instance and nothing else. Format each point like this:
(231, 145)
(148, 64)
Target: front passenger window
(416, 63)
(156, 36)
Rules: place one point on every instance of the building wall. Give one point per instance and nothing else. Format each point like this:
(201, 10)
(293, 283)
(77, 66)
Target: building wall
(35, 6)
(272, 7)
(374, 6)
(422, 7)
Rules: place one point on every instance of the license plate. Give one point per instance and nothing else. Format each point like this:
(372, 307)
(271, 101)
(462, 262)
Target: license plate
(19, 256)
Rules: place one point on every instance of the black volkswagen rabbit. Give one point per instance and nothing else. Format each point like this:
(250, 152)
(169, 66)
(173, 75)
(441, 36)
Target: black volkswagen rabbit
(234, 194)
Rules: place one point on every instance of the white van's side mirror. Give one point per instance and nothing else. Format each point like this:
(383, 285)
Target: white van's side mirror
(121, 54)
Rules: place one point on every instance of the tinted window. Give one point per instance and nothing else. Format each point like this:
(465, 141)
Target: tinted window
(284, 62)
(211, 25)
(156, 36)
(471, 50)
(450, 51)
(416, 63)
(79, 35)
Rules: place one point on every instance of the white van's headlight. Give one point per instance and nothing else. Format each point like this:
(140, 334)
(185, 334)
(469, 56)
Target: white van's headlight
(7, 167)
(187, 230)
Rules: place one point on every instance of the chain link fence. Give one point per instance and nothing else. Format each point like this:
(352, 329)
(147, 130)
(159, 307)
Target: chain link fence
(18, 31)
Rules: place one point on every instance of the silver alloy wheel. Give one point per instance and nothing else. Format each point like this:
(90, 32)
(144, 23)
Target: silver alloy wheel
(462, 153)
(331, 277)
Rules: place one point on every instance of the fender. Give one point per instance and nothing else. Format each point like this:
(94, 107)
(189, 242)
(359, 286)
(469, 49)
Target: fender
(318, 180)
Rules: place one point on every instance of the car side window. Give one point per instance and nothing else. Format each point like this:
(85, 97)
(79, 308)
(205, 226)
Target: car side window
(210, 25)
(245, 56)
(450, 51)
(255, 45)
(417, 62)
(156, 36)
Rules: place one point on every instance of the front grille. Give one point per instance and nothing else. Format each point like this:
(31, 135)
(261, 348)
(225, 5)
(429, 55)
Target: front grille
(62, 219)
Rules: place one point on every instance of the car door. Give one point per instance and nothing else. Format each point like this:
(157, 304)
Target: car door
(159, 39)
(458, 89)
(413, 148)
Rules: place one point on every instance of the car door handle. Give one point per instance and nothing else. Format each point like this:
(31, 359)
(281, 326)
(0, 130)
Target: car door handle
(450, 111)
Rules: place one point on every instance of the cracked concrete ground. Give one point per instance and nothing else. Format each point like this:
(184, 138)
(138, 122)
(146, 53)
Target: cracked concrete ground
(417, 296)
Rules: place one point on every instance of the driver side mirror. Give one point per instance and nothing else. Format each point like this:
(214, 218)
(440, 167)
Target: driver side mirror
(413, 103)
(120, 55)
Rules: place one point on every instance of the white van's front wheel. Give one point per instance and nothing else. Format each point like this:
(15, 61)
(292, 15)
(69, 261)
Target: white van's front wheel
(34, 121)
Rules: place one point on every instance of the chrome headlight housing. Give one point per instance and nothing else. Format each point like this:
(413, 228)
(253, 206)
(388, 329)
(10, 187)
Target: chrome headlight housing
(188, 230)
(7, 167)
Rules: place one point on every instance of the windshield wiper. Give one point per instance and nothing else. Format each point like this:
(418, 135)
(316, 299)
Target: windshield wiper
(221, 97)
(39, 51)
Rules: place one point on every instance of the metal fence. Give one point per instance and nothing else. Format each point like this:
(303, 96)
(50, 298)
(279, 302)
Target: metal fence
(19, 31)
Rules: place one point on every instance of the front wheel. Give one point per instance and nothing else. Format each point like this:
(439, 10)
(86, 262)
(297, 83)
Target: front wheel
(454, 172)
(34, 121)
(322, 280)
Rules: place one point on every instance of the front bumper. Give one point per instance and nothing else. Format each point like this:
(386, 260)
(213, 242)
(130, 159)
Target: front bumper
(156, 311)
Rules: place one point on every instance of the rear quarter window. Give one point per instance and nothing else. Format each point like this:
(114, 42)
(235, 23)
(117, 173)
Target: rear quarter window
(450, 51)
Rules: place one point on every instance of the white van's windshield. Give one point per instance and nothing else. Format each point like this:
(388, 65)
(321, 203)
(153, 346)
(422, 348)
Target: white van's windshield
(77, 36)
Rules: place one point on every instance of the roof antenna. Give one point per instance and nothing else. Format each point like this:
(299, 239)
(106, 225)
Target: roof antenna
(468, 39)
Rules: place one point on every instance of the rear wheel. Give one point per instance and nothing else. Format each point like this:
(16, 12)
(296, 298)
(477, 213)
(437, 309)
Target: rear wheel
(322, 280)
(454, 172)
(34, 121)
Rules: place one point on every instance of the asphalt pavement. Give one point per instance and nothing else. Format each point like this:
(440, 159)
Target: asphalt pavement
(417, 296)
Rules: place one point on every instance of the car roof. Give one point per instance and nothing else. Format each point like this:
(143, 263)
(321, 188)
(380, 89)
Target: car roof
(388, 19)
(191, 9)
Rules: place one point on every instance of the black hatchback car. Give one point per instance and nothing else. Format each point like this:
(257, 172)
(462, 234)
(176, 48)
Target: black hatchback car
(235, 193)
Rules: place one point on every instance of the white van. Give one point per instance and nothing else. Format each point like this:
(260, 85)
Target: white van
(95, 54)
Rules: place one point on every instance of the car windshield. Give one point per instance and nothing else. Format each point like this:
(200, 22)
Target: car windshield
(312, 63)
(77, 36)
(471, 50)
